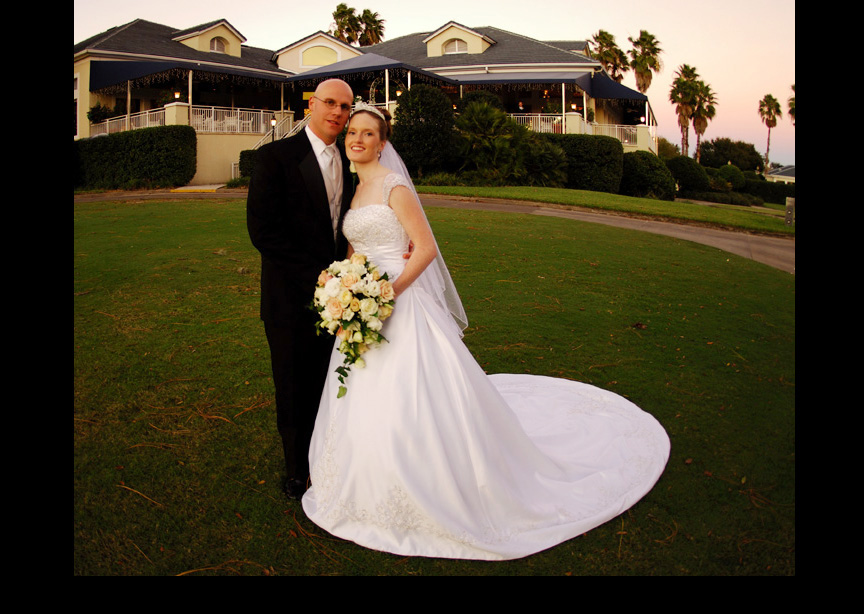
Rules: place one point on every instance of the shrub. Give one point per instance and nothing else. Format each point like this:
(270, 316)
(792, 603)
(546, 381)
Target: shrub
(769, 191)
(247, 162)
(423, 129)
(479, 96)
(689, 174)
(644, 175)
(160, 157)
(593, 162)
(728, 198)
(495, 150)
(732, 174)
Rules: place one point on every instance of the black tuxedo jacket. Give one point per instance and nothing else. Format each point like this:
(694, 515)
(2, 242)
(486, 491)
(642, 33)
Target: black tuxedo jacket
(288, 217)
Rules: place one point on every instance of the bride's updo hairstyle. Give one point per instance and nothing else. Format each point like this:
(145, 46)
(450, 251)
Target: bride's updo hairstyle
(381, 116)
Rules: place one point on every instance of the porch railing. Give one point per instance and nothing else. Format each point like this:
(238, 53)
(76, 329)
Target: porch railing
(227, 120)
(553, 123)
(223, 120)
(144, 119)
(540, 122)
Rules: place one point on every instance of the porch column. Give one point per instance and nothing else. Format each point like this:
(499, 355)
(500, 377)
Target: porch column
(409, 80)
(386, 87)
(128, 104)
(190, 91)
(563, 110)
(584, 113)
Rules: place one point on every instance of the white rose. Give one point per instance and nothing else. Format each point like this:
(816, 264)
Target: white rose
(332, 287)
(368, 307)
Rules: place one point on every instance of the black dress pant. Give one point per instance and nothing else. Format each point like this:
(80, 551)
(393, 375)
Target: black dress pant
(299, 359)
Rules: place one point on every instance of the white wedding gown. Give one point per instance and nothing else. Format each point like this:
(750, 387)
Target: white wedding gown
(427, 455)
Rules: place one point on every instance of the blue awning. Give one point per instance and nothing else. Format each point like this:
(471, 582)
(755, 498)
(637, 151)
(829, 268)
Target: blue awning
(107, 73)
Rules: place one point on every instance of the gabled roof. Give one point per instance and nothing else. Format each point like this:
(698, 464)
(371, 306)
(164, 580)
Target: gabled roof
(145, 40)
(327, 35)
(194, 31)
(461, 27)
(509, 49)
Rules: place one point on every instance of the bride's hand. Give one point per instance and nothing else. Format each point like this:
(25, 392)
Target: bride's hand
(410, 249)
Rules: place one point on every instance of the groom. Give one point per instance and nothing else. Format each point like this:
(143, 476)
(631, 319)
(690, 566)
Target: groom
(294, 209)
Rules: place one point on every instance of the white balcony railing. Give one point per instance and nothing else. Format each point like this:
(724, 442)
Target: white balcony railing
(554, 123)
(144, 119)
(538, 122)
(230, 121)
(222, 120)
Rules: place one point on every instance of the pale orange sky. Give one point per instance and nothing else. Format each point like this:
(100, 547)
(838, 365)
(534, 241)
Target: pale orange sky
(744, 49)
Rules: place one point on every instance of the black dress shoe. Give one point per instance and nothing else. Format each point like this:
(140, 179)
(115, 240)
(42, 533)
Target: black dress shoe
(294, 488)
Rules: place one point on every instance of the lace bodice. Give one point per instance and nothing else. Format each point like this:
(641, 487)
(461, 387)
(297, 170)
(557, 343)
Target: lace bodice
(374, 230)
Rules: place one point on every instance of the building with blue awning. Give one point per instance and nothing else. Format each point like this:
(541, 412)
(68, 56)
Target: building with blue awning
(238, 96)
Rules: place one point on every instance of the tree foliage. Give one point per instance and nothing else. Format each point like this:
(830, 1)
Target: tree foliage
(645, 58)
(364, 29)
(423, 129)
(606, 51)
(769, 112)
(721, 151)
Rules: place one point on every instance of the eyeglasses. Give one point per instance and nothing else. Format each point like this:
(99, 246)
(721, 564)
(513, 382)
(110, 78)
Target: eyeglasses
(332, 104)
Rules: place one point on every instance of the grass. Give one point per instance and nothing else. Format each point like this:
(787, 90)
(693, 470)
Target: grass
(765, 220)
(176, 458)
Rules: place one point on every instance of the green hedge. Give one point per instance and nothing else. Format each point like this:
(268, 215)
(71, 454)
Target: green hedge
(163, 157)
(689, 174)
(646, 176)
(593, 162)
(769, 191)
(247, 162)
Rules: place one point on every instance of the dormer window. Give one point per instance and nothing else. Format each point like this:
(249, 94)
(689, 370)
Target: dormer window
(217, 44)
(455, 45)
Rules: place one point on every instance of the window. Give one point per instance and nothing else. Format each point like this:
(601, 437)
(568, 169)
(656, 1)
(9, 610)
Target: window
(217, 45)
(455, 45)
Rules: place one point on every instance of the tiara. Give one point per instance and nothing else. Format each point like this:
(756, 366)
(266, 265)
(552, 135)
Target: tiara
(362, 106)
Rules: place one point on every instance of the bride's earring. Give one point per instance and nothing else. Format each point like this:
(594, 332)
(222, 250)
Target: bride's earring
(353, 168)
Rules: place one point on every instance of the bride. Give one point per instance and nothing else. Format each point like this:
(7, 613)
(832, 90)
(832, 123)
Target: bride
(426, 454)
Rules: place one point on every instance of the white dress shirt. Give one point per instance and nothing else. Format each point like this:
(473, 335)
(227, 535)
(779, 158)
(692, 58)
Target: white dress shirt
(332, 181)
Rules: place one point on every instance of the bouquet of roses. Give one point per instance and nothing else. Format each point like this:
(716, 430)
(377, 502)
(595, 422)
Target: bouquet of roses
(353, 298)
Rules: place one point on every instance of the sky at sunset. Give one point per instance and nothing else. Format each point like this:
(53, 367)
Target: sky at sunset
(744, 49)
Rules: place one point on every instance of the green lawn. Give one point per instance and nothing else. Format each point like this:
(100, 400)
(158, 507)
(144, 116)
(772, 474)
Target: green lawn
(766, 220)
(177, 463)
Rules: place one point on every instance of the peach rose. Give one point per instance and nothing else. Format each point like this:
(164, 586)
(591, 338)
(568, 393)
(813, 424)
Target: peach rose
(334, 308)
(387, 292)
(324, 277)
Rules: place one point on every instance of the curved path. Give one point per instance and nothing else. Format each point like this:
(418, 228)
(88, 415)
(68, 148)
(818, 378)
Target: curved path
(777, 252)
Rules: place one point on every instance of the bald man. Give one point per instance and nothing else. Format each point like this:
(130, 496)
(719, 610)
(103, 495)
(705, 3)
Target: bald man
(294, 211)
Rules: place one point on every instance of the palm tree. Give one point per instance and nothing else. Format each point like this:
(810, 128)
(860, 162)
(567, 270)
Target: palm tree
(683, 96)
(769, 111)
(703, 112)
(791, 103)
(644, 58)
(613, 60)
(346, 24)
(373, 28)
